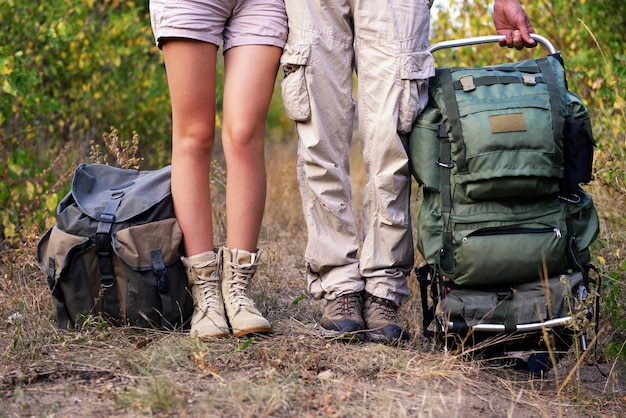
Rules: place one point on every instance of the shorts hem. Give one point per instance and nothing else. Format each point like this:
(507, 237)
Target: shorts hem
(255, 40)
(176, 33)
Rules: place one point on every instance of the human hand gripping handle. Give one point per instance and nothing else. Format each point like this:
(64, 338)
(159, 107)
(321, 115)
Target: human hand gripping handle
(512, 22)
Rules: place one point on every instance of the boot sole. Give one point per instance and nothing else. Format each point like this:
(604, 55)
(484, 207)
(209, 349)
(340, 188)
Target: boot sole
(258, 330)
(378, 336)
(356, 336)
(212, 337)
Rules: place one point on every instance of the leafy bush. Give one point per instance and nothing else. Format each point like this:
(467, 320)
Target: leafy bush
(68, 71)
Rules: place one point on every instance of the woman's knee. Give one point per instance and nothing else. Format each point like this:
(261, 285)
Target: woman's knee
(195, 142)
(244, 137)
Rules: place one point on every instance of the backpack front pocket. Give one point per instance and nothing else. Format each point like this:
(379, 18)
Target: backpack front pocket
(71, 266)
(511, 254)
(152, 274)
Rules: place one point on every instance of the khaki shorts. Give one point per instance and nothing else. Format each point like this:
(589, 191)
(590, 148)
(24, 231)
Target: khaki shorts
(235, 22)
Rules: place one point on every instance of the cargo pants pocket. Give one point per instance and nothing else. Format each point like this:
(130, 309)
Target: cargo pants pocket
(415, 69)
(294, 88)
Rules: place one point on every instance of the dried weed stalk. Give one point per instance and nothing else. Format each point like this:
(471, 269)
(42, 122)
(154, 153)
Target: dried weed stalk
(122, 153)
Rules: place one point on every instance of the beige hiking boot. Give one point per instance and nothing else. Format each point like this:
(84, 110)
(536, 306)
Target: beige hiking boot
(209, 318)
(238, 268)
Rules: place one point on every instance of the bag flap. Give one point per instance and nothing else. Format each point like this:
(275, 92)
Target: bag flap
(134, 245)
(94, 185)
(56, 249)
(557, 295)
(504, 121)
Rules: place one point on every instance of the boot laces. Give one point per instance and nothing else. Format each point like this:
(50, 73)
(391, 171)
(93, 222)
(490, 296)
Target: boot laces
(383, 308)
(346, 305)
(209, 288)
(238, 284)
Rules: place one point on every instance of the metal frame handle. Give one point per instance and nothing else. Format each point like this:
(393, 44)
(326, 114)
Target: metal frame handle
(487, 40)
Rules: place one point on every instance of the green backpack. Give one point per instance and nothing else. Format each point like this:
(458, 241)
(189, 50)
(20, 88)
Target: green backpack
(500, 153)
(115, 251)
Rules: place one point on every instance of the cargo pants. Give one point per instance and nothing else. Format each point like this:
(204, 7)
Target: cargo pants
(385, 42)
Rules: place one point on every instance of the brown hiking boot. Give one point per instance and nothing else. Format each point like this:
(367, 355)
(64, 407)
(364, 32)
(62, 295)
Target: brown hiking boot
(342, 318)
(383, 324)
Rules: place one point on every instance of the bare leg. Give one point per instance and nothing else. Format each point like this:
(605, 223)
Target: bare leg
(191, 78)
(249, 82)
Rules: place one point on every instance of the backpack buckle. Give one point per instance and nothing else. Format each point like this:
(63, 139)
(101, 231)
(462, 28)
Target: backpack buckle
(467, 82)
(529, 79)
(449, 164)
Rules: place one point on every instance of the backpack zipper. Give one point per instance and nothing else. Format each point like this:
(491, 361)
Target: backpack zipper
(515, 231)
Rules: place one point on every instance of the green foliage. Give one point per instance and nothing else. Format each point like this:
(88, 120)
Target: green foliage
(68, 70)
(71, 69)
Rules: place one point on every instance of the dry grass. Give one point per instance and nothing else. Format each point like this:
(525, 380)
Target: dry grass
(128, 372)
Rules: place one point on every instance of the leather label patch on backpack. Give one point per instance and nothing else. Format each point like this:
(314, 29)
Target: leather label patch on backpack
(513, 122)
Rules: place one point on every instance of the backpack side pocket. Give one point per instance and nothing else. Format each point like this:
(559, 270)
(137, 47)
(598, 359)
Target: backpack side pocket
(156, 284)
(71, 267)
(578, 148)
(578, 144)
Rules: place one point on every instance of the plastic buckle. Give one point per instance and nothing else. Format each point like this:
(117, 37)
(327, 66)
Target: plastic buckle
(467, 82)
(502, 296)
(107, 282)
(529, 79)
(442, 132)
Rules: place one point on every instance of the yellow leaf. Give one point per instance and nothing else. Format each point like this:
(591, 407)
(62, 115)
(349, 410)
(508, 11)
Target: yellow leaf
(16, 168)
(601, 260)
(8, 88)
(5, 68)
(51, 202)
(61, 29)
(30, 190)
(9, 230)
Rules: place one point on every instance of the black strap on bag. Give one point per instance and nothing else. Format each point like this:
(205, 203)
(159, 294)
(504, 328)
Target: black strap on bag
(452, 108)
(428, 312)
(556, 108)
(104, 251)
(492, 80)
(163, 286)
(504, 313)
